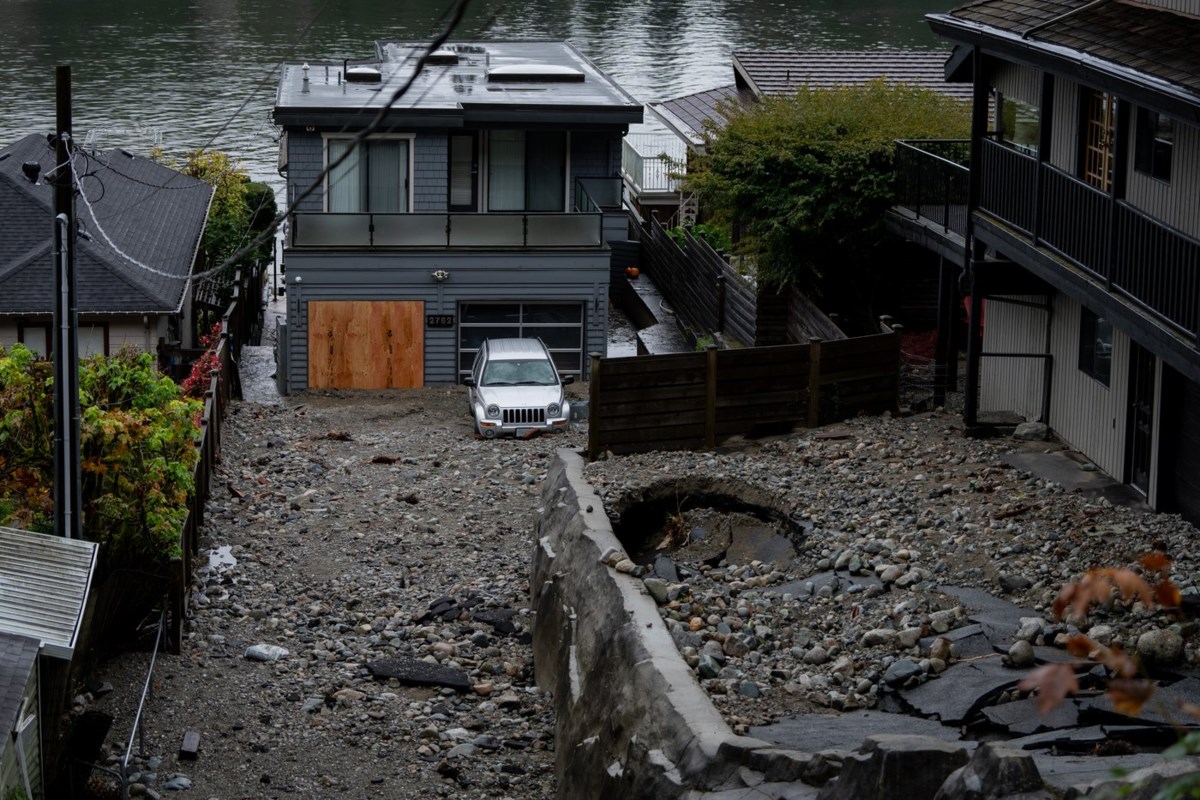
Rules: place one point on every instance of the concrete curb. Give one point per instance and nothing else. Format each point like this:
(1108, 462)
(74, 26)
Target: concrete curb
(632, 719)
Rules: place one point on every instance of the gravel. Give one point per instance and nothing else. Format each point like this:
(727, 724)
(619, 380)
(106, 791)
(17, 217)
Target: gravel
(373, 528)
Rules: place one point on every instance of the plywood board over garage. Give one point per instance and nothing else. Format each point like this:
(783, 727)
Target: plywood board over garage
(366, 344)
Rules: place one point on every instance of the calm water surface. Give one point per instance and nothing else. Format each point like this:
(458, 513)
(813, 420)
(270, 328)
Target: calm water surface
(193, 73)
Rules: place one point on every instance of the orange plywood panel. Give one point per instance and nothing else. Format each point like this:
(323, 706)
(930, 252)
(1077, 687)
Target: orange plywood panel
(366, 344)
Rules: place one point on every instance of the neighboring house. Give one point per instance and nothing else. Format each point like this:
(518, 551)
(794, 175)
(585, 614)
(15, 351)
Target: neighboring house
(480, 207)
(758, 74)
(151, 213)
(1082, 227)
(47, 581)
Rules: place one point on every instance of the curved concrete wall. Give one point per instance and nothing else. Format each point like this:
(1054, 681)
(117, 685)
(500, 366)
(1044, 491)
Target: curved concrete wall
(633, 721)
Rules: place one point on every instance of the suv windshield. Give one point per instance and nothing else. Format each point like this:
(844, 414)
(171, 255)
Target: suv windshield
(535, 372)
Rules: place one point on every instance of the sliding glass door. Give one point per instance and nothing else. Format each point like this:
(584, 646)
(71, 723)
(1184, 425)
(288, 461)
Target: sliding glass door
(527, 171)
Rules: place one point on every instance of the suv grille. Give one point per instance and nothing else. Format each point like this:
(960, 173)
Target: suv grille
(524, 416)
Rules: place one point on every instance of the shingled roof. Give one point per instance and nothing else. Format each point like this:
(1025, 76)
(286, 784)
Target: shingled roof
(759, 73)
(152, 213)
(1160, 46)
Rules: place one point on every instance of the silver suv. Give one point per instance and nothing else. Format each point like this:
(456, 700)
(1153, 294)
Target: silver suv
(514, 388)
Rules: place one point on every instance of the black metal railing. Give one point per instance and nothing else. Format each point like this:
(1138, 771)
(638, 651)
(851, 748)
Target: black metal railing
(1157, 266)
(1073, 220)
(1008, 185)
(931, 180)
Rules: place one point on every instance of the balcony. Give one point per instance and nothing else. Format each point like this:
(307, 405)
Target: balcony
(1118, 246)
(1120, 249)
(495, 230)
(648, 162)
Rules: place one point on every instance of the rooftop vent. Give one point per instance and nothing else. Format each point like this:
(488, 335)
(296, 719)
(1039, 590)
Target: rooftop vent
(363, 75)
(535, 73)
(442, 56)
(32, 170)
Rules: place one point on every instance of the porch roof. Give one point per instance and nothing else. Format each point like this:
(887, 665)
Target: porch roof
(44, 584)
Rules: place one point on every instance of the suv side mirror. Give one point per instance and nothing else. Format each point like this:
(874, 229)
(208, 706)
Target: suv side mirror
(468, 381)
(569, 379)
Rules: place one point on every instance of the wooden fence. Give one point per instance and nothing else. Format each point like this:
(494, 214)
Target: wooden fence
(690, 401)
(240, 324)
(711, 297)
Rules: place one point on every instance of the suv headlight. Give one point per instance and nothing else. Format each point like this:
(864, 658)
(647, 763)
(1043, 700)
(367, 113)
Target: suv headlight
(492, 411)
(553, 410)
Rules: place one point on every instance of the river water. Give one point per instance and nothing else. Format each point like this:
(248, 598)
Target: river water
(202, 73)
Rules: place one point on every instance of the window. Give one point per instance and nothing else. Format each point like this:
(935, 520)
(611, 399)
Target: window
(527, 171)
(559, 325)
(1018, 124)
(1154, 142)
(374, 177)
(1095, 346)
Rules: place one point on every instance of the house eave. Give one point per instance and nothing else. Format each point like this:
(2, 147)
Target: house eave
(1147, 90)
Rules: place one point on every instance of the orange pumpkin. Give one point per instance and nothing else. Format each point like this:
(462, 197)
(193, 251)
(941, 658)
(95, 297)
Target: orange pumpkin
(632, 272)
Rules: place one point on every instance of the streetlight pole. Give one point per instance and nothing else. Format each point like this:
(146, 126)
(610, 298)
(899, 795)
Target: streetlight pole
(68, 503)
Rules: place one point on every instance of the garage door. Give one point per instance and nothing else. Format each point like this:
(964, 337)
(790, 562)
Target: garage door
(366, 344)
(559, 325)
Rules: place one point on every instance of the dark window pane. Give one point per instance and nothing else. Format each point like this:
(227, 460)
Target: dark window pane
(540, 314)
(565, 337)
(471, 338)
(567, 362)
(490, 313)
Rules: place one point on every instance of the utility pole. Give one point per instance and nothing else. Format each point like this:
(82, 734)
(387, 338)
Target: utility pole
(68, 502)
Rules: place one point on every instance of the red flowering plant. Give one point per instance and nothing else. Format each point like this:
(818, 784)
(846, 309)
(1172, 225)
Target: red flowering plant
(197, 381)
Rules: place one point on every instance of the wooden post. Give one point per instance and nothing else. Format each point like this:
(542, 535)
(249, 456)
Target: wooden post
(178, 593)
(898, 331)
(593, 406)
(814, 382)
(720, 303)
(710, 398)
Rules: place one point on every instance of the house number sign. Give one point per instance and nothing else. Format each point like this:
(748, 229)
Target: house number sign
(439, 320)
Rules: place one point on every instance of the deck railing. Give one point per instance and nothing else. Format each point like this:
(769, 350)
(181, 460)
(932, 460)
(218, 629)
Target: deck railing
(597, 195)
(931, 181)
(447, 230)
(649, 161)
(1147, 262)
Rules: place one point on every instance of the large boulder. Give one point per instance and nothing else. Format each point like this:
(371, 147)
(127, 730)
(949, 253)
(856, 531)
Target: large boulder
(994, 771)
(889, 766)
(1142, 784)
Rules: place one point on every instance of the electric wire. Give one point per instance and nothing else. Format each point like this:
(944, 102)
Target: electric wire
(452, 17)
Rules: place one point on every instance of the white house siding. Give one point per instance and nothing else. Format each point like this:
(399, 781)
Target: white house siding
(1088, 415)
(1013, 384)
(8, 334)
(129, 333)
(1019, 82)
(1175, 202)
(1064, 134)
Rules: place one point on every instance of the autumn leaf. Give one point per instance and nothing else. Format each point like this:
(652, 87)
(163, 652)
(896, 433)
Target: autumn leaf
(1098, 585)
(1166, 594)
(1052, 682)
(1128, 696)
(1081, 646)
(1156, 562)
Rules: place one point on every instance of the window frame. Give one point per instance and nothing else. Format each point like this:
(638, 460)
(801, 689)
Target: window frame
(1153, 155)
(409, 166)
(1092, 360)
(487, 165)
(1006, 135)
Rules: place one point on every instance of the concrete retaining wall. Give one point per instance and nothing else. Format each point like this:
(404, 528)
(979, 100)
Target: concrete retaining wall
(633, 721)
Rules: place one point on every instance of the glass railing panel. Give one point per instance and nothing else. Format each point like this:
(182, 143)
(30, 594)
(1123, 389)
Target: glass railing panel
(564, 230)
(332, 230)
(487, 230)
(410, 230)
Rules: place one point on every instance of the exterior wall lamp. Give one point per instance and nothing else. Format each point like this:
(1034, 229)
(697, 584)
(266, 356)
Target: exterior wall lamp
(440, 275)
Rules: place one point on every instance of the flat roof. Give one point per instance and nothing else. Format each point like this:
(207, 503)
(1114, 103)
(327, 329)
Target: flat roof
(551, 76)
(44, 584)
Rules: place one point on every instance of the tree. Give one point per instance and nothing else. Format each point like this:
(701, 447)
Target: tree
(806, 179)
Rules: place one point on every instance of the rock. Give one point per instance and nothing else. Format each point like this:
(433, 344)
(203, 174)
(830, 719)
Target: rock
(1101, 634)
(994, 771)
(657, 588)
(1141, 784)
(940, 649)
(265, 652)
(909, 637)
(901, 672)
(891, 766)
(891, 573)
(1162, 647)
(1014, 583)
(1031, 431)
(177, 783)
(816, 655)
(1020, 655)
(414, 672)
(878, 636)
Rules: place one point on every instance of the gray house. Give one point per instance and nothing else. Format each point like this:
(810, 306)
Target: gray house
(481, 206)
(132, 213)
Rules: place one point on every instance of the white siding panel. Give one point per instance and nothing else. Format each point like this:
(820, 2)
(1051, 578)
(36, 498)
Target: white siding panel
(132, 334)
(1013, 384)
(8, 335)
(1065, 120)
(1019, 82)
(1174, 203)
(1086, 414)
